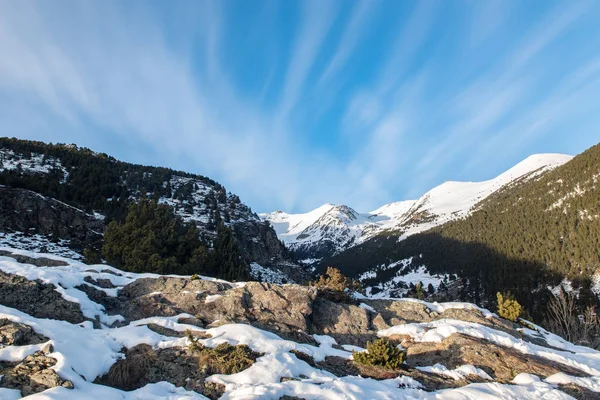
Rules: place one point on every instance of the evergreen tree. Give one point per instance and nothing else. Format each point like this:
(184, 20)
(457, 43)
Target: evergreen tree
(153, 239)
(226, 259)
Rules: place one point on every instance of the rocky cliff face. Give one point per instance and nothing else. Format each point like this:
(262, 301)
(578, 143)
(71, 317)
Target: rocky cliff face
(161, 334)
(25, 211)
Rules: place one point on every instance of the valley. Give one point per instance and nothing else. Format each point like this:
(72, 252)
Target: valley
(196, 274)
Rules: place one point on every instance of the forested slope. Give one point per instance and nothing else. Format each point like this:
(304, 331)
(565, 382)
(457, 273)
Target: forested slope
(526, 236)
(101, 186)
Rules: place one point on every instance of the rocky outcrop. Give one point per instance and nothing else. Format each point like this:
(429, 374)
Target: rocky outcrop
(165, 296)
(282, 309)
(392, 313)
(33, 374)
(343, 367)
(293, 312)
(17, 334)
(272, 307)
(37, 261)
(26, 211)
(347, 323)
(142, 365)
(38, 299)
(500, 362)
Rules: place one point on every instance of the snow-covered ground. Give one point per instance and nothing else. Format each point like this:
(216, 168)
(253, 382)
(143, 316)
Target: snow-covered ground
(263, 274)
(34, 164)
(345, 227)
(38, 243)
(399, 284)
(84, 353)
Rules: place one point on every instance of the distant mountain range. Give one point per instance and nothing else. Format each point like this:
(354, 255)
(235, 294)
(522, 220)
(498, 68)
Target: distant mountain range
(525, 231)
(529, 231)
(330, 229)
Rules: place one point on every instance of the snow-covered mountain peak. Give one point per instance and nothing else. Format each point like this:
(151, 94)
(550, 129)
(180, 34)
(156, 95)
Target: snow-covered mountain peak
(330, 228)
(453, 199)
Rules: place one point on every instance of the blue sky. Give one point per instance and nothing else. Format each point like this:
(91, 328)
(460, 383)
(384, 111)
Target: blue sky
(291, 104)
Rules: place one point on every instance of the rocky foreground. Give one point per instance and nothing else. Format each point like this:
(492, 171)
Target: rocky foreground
(70, 330)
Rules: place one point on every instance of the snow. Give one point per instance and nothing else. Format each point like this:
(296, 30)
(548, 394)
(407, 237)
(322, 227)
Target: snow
(17, 353)
(579, 357)
(596, 283)
(84, 353)
(38, 243)
(457, 373)
(263, 274)
(289, 226)
(367, 307)
(212, 297)
(345, 228)
(526, 379)
(592, 383)
(9, 394)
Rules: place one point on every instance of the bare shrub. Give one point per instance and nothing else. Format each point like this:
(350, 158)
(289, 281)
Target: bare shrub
(564, 319)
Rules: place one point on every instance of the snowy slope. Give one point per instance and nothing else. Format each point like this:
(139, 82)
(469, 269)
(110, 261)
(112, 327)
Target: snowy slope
(331, 229)
(84, 353)
(452, 200)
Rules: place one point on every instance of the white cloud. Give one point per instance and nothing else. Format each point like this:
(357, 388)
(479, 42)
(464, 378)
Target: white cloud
(123, 76)
(353, 31)
(94, 68)
(318, 16)
(494, 100)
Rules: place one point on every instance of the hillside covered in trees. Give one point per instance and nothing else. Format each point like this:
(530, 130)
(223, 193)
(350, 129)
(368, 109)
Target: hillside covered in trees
(530, 235)
(103, 187)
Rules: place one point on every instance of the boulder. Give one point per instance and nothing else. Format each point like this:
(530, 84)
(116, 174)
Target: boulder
(37, 299)
(33, 374)
(501, 363)
(280, 309)
(347, 323)
(17, 334)
(166, 296)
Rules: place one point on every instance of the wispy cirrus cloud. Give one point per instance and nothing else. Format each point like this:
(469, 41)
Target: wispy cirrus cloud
(353, 31)
(317, 19)
(167, 86)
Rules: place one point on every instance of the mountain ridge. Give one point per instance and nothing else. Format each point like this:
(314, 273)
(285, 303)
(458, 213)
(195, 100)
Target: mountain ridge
(102, 187)
(331, 229)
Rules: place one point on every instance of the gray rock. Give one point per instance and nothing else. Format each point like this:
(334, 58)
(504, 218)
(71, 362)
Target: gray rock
(32, 375)
(37, 299)
(17, 334)
(37, 261)
(348, 324)
(26, 211)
